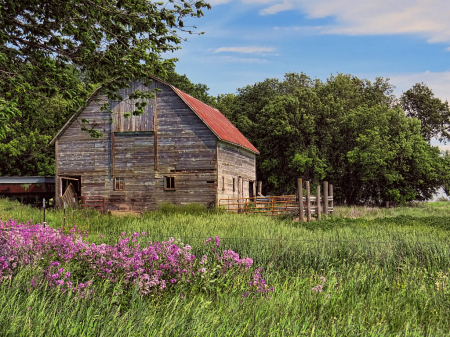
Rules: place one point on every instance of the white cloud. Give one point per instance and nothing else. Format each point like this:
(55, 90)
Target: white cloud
(246, 50)
(243, 60)
(427, 18)
(277, 8)
(438, 82)
(218, 2)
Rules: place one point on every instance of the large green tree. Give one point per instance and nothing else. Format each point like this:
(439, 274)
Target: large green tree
(109, 41)
(420, 102)
(346, 130)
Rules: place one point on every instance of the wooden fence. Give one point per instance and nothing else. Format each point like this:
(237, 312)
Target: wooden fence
(285, 204)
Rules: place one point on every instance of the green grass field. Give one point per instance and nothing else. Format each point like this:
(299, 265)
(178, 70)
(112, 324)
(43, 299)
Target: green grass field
(387, 273)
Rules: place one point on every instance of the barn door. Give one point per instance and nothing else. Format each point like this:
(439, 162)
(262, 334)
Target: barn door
(123, 119)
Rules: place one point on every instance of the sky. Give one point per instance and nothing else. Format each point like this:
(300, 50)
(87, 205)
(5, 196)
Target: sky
(247, 41)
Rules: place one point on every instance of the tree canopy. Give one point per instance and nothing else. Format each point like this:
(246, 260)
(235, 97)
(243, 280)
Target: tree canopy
(420, 102)
(347, 130)
(108, 41)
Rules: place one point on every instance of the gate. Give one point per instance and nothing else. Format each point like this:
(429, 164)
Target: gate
(96, 202)
(269, 205)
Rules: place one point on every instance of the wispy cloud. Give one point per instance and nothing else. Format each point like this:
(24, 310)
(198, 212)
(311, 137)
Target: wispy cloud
(243, 60)
(284, 6)
(218, 2)
(246, 50)
(427, 18)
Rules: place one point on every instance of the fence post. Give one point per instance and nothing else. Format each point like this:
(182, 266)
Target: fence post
(259, 188)
(325, 198)
(308, 202)
(272, 204)
(332, 199)
(64, 219)
(300, 199)
(318, 202)
(43, 205)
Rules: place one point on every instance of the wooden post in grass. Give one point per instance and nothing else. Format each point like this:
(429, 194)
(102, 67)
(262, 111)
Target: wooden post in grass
(308, 202)
(330, 192)
(325, 198)
(259, 188)
(318, 202)
(300, 199)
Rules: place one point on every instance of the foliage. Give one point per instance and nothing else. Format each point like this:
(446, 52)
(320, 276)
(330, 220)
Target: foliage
(24, 149)
(182, 82)
(419, 102)
(348, 131)
(112, 40)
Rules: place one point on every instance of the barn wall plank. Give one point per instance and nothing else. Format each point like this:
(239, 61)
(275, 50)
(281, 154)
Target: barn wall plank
(234, 162)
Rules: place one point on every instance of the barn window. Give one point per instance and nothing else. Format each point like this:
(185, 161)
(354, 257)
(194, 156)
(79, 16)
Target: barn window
(223, 183)
(234, 184)
(119, 184)
(169, 183)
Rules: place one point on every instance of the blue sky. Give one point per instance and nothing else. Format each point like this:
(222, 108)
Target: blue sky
(246, 41)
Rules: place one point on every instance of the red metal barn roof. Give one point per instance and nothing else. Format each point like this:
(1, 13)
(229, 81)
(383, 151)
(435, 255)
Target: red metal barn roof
(216, 121)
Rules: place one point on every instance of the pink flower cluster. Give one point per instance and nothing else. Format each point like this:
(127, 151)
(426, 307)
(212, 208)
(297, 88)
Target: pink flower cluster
(318, 288)
(151, 267)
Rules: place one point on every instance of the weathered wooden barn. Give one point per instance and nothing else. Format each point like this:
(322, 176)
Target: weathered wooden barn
(178, 151)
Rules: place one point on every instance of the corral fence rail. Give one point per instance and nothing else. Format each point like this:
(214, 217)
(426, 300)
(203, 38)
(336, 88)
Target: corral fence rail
(96, 202)
(285, 204)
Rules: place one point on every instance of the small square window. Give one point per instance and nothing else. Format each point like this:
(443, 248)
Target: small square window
(169, 183)
(119, 184)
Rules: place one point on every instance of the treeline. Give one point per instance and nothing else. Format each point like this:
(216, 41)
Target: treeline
(373, 146)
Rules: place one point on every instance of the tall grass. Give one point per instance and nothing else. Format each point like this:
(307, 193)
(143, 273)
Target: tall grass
(386, 274)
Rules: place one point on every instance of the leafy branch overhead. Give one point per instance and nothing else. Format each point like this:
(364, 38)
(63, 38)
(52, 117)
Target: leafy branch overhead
(109, 41)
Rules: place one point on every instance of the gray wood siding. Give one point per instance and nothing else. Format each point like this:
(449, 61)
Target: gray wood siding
(184, 144)
(78, 154)
(134, 162)
(180, 146)
(144, 122)
(234, 161)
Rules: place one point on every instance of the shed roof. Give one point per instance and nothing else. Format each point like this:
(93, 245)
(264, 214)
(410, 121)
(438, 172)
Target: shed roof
(216, 121)
(27, 180)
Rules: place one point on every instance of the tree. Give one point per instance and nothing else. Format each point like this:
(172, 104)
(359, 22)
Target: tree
(24, 148)
(198, 90)
(109, 41)
(419, 102)
(346, 130)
